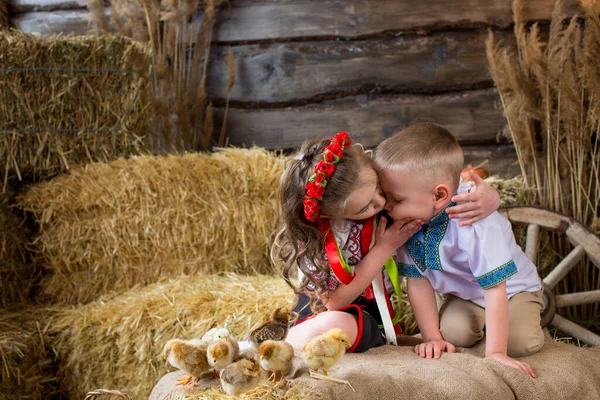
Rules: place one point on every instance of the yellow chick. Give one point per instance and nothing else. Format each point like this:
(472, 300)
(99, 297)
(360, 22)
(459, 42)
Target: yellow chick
(274, 329)
(240, 376)
(276, 357)
(188, 355)
(322, 351)
(217, 333)
(222, 352)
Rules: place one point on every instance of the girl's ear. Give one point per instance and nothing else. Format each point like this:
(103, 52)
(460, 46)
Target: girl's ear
(441, 194)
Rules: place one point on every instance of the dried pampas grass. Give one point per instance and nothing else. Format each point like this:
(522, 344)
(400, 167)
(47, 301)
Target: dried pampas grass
(108, 227)
(118, 343)
(180, 35)
(550, 92)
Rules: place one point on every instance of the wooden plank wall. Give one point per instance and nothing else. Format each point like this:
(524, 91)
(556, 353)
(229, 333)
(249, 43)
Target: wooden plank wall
(309, 68)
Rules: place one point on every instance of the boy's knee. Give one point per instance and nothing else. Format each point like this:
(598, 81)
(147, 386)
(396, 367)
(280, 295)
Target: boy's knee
(460, 334)
(523, 343)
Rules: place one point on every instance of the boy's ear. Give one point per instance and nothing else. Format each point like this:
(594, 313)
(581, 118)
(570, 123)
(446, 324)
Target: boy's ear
(442, 193)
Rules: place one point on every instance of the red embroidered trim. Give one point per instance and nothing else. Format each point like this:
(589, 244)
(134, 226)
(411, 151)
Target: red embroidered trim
(315, 188)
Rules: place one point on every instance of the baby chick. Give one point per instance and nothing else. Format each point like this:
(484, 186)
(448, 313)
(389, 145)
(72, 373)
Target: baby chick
(240, 377)
(222, 352)
(188, 355)
(322, 351)
(274, 329)
(216, 334)
(276, 357)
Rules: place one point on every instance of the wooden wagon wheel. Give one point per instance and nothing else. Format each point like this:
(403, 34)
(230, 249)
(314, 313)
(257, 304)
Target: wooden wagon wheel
(585, 242)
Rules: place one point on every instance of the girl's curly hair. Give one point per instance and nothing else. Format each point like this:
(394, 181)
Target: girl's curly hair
(299, 240)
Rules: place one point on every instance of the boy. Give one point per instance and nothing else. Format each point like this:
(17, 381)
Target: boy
(485, 276)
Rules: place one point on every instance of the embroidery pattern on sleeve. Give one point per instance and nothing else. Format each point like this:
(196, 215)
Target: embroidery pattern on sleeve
(410, 271)
(498, 275)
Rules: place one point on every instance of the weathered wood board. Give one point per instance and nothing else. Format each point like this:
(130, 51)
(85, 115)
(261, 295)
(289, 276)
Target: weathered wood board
(282, 20)
(252, 20)
(285, 72)
(471, 116)
(53, 22)
(23, 6)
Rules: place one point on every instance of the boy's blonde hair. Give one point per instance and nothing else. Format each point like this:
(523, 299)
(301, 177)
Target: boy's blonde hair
(427, 149)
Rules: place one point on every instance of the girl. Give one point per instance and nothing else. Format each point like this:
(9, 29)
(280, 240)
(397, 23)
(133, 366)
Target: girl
(329, 198)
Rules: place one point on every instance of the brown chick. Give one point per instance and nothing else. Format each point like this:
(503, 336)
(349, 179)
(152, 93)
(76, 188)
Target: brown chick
(322, 351)
(188, 355)
(240, 376)
(276, 357)
(222, 352)
(274, 329)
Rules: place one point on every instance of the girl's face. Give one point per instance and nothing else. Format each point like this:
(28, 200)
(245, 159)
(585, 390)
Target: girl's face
(367, 199)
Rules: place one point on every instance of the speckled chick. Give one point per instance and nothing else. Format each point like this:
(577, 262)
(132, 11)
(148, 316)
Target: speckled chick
(274, 329)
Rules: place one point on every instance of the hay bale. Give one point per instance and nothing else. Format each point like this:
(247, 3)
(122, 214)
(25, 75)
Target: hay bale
(70, 100)
(26, 361)
(118, 343)
(17, 272)
(108, 227)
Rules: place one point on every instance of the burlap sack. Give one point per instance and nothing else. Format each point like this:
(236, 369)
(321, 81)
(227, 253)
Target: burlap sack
(564, 372)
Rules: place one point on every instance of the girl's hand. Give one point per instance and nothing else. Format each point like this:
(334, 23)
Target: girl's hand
(478, 204)
(506, 360)
(396, 235)
(434, 348)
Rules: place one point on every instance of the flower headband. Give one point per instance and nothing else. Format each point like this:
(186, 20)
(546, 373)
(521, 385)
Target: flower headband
(315, 188)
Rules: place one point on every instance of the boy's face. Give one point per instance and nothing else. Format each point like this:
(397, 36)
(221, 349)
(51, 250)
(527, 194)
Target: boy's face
(367, 199)
(407, 195)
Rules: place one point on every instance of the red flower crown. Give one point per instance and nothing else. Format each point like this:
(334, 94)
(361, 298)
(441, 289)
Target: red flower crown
(315, 188)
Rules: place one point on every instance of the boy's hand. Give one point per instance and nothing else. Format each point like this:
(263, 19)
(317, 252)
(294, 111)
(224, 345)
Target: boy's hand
(506, 360)
(477, 204)
(396, 235)
(434, 348)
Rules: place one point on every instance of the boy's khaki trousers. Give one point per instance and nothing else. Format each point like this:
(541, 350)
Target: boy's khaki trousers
(462, 323)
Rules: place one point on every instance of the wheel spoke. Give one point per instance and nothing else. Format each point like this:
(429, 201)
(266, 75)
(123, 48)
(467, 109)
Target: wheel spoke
(575, 330)
(564, 267)
(533, 238)
(575, 299)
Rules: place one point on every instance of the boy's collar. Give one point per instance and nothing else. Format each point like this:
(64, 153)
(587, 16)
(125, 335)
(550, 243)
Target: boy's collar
(442, 216)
